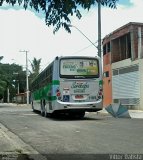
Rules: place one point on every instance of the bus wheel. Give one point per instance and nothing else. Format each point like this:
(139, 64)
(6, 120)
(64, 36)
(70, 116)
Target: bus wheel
(33, 107)
(46, 114)
(42, 111)
(54, 115)
(78, 115)
(49, 115)
(81, 114)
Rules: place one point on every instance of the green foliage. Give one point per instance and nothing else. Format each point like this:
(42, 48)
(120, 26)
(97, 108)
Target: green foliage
(58, 12)
(2, 86)
(36, 66)
(35, 69)
(10, 75)
(1, 57)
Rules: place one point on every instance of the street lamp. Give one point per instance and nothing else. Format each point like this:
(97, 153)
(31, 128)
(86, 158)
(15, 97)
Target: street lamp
(83, 35)
(99, 33)
(27, 84)
(99, 41)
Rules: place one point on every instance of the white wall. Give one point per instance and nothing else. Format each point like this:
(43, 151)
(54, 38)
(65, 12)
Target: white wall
(141, 82)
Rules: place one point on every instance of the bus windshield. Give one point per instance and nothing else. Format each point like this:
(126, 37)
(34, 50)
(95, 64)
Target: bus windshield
(79, 68)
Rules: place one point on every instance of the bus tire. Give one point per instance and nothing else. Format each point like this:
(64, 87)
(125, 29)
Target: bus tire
(32, 106)
(54, 115)
(78, 115)
(49, 115)
(81, 114)
(42, 111)
(46, 114)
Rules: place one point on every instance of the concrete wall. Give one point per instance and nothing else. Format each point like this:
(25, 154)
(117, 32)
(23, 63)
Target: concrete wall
(107, 86)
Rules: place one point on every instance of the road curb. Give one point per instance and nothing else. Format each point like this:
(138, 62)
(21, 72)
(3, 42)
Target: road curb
(137, 114)
(21, 105)
(14, 145)
(103, 112)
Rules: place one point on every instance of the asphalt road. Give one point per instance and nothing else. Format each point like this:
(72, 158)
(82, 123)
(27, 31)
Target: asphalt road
(94, 134)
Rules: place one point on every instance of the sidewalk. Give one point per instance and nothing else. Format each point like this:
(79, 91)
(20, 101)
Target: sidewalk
(132, 113)
(13, 148)
(12, 144)
(136, 113)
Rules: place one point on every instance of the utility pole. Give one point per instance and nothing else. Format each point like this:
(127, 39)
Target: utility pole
(8, 95)
(99, 34)
(99, 28)
(18, 88)
(27, 83)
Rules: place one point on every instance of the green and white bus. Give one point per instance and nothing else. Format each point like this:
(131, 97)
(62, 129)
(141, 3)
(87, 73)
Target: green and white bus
(71, 85)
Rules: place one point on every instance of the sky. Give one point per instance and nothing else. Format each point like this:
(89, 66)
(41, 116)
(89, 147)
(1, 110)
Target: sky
(24, 30)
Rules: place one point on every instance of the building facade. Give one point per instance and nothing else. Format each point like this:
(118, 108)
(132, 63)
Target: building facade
(123, 66)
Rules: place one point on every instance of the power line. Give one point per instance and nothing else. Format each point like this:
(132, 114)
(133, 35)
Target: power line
(83, 35)
(82, 49)
(86, 48)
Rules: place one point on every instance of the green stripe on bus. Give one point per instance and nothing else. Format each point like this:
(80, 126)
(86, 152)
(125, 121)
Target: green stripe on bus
(55, 82)
(51, 98)
(42, 92)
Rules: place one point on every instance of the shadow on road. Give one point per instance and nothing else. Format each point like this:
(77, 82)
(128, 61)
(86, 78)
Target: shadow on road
(66, 117)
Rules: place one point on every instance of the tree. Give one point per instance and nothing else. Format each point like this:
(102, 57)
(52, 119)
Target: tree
(35, 64)
(2, 88)
(1, 57)
(9, 80)
(2, 81)
(58, 12)
(12, 75)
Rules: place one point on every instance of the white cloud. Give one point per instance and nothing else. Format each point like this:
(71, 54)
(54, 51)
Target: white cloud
(113, 19)
(22, 30)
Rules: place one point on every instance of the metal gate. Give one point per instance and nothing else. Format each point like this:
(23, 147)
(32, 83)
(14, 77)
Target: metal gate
(125, 85)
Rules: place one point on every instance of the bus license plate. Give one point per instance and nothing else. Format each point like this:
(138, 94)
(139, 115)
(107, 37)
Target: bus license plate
(79, 97)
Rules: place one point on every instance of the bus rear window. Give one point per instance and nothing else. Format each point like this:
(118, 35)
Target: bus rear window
(79, 68)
